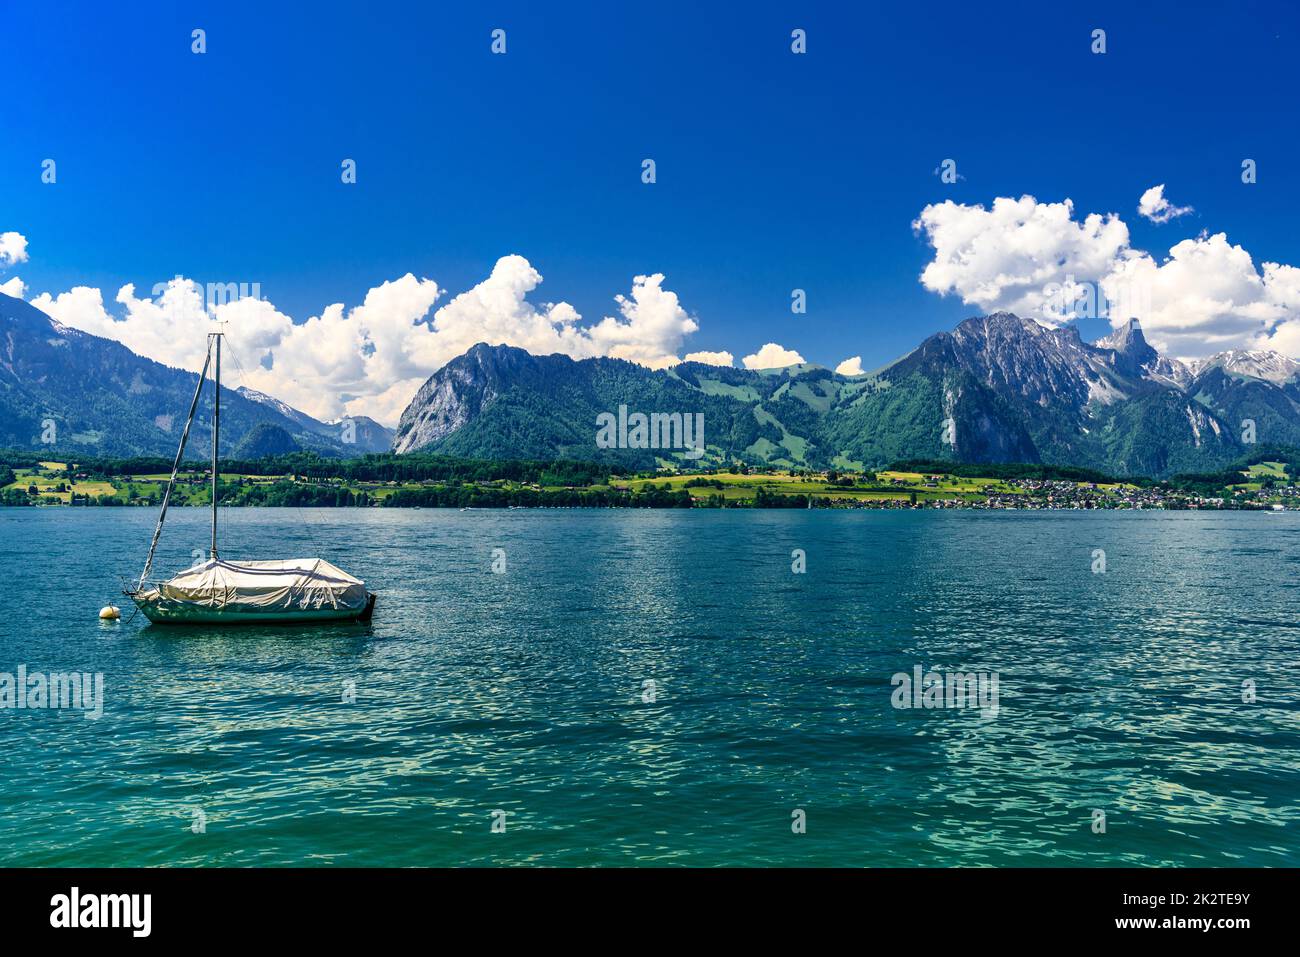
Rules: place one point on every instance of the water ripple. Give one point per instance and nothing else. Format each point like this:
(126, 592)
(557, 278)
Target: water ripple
(527, 693)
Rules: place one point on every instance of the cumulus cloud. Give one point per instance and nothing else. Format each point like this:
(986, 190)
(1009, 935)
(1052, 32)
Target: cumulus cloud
(13, 248)
(649, 330)
(772, 356)
(1156, 208)
(497, 311)
(711, 358)
(168, 327)
(1037, 260)
(1208, 296)
(81, 307)
(370, 359)
(1001, 258)
(652, 328)
(852, 366)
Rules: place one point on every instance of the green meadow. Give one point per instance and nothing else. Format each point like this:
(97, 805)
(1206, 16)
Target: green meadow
(450, 483)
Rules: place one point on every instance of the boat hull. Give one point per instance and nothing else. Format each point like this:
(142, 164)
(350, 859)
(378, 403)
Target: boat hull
(167, 612)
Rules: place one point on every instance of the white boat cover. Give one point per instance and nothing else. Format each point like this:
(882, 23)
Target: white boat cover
(296, 583)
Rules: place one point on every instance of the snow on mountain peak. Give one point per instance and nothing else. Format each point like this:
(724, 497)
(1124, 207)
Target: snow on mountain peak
(1253, 364)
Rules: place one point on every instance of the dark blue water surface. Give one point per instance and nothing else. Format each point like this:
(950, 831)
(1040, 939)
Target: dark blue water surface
(523, 692)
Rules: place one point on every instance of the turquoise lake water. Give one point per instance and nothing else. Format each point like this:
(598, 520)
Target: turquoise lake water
(525, 692)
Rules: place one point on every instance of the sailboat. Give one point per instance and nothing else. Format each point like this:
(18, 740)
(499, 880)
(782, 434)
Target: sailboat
(221, 592)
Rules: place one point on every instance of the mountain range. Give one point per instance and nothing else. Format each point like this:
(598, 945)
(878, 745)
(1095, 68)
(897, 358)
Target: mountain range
(998, 388)
(76, 394)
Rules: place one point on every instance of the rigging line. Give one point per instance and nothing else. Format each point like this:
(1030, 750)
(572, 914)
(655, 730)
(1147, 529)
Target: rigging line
(239, 366)
(312, 513)
(228, 518)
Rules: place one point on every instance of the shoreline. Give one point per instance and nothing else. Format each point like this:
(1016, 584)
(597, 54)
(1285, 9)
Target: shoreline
(824, 505)
(457, 484)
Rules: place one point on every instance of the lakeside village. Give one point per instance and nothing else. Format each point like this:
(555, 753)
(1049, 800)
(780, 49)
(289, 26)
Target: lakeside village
(305, 480)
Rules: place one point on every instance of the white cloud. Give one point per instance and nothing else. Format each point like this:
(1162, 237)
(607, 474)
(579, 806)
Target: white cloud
(711, 358)
(13, 287)
(651, 330)
(851, 366)
(370, 359)
(169, 329)
(80, 307)
(1156, 208)
(13, 248)
(1001, 258)
(1206, 296)
(497, 311)
(653, 327)
(772, 356)
(333, 364)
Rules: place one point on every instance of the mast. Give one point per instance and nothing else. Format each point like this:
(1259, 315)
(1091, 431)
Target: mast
(216, 431)
(180, 452)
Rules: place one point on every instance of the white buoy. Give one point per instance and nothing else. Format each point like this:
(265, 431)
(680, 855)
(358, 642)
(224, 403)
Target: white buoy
(110, 613)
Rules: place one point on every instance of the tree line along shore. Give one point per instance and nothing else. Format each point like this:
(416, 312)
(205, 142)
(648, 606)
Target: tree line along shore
(1267, 480)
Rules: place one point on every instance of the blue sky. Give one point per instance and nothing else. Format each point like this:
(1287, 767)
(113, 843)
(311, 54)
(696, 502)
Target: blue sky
(774, 170)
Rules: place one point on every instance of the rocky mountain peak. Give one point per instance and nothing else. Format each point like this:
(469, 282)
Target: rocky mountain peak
(1125, 338)
(1039, 362)
(458, 392)
(1136, 358)
(1131, 346)
(1254, 364)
